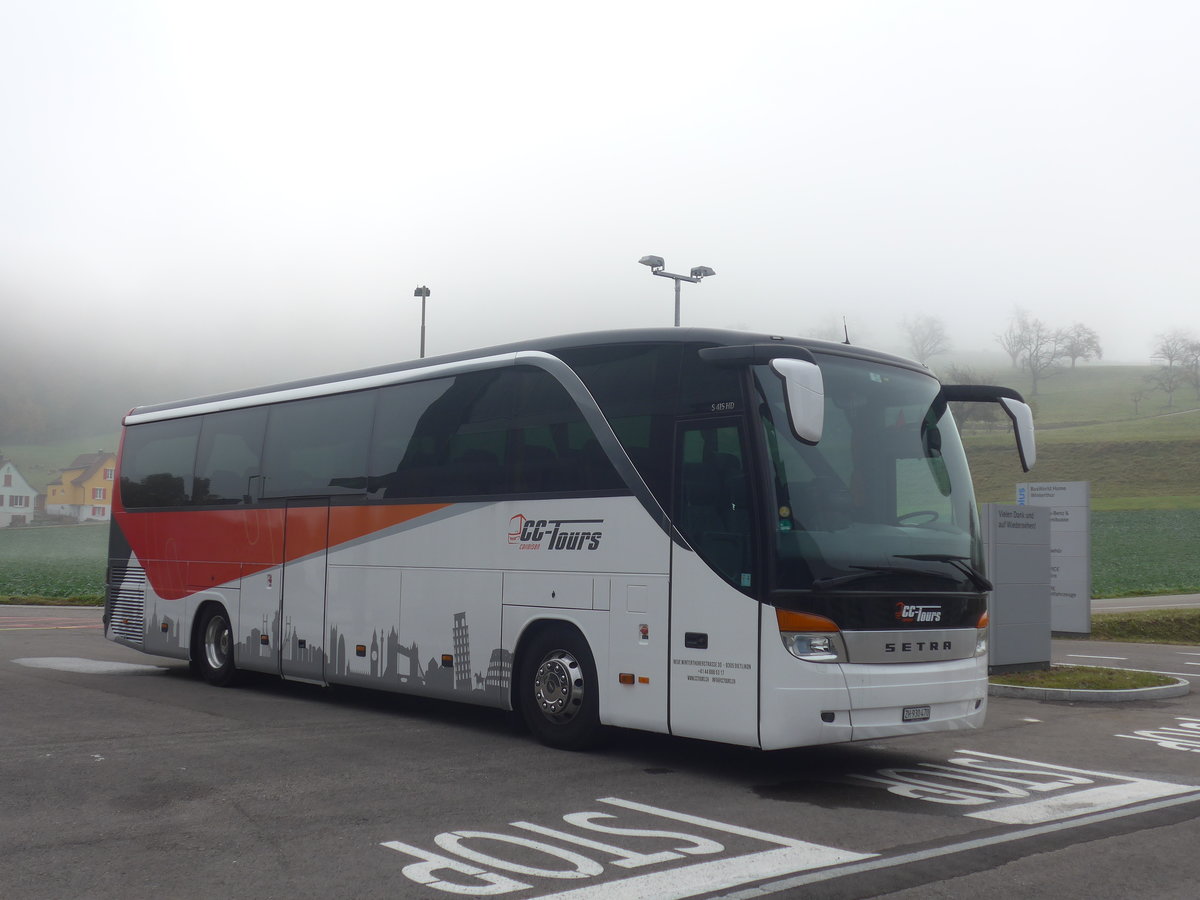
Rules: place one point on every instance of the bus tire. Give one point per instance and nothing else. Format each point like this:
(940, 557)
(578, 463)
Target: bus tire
(213, 654)
(557, 689)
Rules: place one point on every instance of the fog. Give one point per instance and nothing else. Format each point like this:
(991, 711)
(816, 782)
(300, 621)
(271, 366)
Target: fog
(221, 193)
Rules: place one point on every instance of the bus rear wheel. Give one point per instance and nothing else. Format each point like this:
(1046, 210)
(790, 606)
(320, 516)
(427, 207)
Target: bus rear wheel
(214, 655)
(557, 689)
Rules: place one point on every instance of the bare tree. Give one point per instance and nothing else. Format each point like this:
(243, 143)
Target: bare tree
(926, 337)
(1167, 379)
(1041, 353)
(1191, 366)
(1181, 352)
(1080, 342)
(1173, 346)
(1014, 338)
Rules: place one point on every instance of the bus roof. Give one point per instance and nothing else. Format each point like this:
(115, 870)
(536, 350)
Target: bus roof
(714, 337)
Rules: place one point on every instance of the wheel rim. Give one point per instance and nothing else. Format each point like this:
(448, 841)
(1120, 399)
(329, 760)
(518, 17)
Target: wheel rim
(559, 686)
(216, 642)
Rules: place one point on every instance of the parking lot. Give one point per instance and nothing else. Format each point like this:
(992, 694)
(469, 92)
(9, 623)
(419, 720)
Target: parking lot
(125, 777)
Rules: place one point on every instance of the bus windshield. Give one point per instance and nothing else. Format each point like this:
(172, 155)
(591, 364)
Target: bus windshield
(884, 500)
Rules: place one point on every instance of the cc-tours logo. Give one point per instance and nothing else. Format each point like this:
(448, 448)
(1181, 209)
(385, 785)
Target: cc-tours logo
(554, 534)
(909, 613)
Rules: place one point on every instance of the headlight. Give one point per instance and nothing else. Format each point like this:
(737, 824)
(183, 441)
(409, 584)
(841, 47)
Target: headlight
(811, 638)
(981, 636)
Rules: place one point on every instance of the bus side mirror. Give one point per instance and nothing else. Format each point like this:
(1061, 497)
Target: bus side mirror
(1022, 419)
(804, 390)
(1014, 407)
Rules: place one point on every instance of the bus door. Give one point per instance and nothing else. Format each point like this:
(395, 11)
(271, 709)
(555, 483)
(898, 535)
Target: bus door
(302, 599)
(714, 624)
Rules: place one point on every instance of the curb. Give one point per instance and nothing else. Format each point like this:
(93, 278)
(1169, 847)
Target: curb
(1163, 692)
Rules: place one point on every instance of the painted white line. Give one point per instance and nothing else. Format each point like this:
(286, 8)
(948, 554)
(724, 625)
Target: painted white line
(886, 862)
(88, 666)
(1081, 802)
(1082, 656)
(701, 878)
(1077, 803)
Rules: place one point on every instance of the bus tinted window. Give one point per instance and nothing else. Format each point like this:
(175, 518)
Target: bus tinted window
(318, 446)
(635, 386)
(156, 463)
(551, 447)
(228, 464)
(509, 431)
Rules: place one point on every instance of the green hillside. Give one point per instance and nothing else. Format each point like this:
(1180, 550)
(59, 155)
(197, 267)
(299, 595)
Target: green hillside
(1136, 456)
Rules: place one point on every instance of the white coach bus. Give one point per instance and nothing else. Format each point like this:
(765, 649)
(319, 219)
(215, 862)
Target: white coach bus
(742, 538)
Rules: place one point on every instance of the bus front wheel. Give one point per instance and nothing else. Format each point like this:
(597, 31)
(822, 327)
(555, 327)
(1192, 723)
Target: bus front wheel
(558, 693)
(214, 655)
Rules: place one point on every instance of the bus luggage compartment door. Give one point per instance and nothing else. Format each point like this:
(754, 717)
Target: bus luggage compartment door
(302, 600)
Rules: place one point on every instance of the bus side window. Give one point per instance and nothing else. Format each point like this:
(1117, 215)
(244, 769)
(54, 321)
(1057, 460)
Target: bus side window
(156, 464)
(507, 432)
(403, 444)
(229, 458)
(318, 446)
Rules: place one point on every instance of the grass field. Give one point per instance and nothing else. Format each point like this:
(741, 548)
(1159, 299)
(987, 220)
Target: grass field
(62, 561)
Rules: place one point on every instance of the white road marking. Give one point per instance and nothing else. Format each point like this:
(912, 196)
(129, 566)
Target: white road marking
(701, 878)
(1077, 803)
(975, 778)
(787, 856)
(87, 666)
(1082, 656)
(886, 862)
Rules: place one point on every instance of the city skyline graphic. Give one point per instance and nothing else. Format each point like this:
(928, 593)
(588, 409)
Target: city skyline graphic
(390, 662)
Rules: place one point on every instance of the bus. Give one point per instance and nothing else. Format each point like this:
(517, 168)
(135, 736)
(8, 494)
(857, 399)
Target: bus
(742, 538)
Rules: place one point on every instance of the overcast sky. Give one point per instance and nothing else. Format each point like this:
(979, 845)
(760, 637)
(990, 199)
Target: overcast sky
(212, 180)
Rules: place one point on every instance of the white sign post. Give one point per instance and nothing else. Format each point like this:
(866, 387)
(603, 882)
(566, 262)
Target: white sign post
(1070, 550)
(1018, 564)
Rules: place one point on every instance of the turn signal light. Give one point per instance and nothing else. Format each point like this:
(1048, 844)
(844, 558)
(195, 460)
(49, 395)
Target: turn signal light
(799, 621)
(981, 636)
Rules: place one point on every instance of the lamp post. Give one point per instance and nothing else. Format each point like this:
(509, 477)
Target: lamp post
(423, 293)
(656, 265)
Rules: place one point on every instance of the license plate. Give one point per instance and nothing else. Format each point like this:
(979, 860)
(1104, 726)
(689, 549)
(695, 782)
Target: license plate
(915, 713)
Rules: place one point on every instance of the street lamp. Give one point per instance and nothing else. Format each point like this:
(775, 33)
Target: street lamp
(422, 292)
(656, 265)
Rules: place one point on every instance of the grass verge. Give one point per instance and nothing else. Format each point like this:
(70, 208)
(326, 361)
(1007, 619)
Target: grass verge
(1148, 626)
(91, 600)
(1084, 678)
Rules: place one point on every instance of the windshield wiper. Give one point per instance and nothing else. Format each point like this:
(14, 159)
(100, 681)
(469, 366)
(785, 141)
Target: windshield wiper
(824, 584)
(961, 563)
